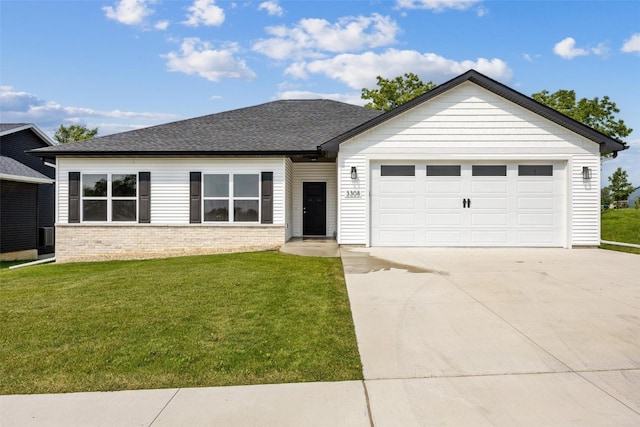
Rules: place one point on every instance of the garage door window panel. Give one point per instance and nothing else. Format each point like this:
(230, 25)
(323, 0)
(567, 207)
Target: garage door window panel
(443, 170)
(489, 170)
(535, 170)
(397, 170)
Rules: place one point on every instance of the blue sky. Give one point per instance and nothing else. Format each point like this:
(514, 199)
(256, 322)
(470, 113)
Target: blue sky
(125, 64)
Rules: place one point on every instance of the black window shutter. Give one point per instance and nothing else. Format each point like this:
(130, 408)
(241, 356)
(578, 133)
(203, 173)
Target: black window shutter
(267, 197)
(74, 197)
(144, 197)
(195, 179)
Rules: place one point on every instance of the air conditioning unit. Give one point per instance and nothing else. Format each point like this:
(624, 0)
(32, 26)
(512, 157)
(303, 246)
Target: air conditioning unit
(46, 236)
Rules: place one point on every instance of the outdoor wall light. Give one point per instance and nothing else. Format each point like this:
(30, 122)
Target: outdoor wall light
(586, 172)
(354, 172)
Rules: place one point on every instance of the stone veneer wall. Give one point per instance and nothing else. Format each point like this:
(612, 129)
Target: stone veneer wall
(83, 242)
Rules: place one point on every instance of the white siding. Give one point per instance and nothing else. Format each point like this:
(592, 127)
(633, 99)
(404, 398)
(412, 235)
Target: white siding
(470, 123)
(288, 167)
(170, 181)
(314, 172)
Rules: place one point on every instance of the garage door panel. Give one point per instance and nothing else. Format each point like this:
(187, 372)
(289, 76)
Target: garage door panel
(444, 187)
(488, 219)
(489, 187)
(393, 219)
(443, 219)
(397, 203)
(444, 237)
(443, 203)
(480, 203)
(537, 203)
(535, 219)
(489, 237)
(400, 186)
(535, 187)
(397, 237)
(536, 238)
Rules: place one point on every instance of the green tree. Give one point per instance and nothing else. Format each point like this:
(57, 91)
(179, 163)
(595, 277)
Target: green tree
(73, 133)
(605, 196)
(395, 92)
(620, 186)
(600, 114)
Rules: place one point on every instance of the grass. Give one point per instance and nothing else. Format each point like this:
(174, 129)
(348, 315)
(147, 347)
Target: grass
(621, 225)
(217, 320)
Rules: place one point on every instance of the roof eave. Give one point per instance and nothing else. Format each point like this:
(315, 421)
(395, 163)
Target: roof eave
(34, 128)
(200, 153)
(27, 179)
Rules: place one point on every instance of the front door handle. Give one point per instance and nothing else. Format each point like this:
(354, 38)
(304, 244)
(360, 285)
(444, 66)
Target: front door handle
(468, 203)
(464, 203)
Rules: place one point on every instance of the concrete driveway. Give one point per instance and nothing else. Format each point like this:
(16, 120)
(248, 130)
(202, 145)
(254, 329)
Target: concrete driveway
(497, 336)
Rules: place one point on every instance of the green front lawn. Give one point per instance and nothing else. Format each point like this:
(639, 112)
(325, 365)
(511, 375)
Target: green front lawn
(249, 318)
(621, 225)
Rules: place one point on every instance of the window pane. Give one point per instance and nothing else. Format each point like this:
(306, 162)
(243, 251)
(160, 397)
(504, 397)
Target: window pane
(535, 170)
(245, 210)
(216, 210)
(123, 185)
(216, 185)
(94, 185)
(482, 170)
(245, 186)
(123, 210)
(397, 170)
(443, 170)
(94, 210)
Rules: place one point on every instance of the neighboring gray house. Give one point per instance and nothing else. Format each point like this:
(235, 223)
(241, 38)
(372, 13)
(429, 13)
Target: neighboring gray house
(470, 163)
(27, 200)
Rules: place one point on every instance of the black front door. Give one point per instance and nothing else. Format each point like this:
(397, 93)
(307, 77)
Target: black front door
(314, 208)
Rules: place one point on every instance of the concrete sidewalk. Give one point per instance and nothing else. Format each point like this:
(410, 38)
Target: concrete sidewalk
(477, 337)
(305, 404)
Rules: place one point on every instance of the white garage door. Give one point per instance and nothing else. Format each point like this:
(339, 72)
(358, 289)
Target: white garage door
(468, 204)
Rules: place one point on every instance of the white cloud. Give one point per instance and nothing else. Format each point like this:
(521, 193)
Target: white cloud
(436, 5)
(18, 107)
(129, 12)
(272, 7)
(161, 25)
(200, 58)
(482, 11)
(601, 49)
(566, 49)
(312, 38)
(349, 98)
(204, 12)
(632, 45)
(358, 71)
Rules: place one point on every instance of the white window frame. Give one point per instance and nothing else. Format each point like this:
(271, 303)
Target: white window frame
(231, 198)
(109, 198)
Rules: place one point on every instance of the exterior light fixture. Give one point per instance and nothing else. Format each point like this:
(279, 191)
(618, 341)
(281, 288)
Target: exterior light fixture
(354, 172)
(586, 172)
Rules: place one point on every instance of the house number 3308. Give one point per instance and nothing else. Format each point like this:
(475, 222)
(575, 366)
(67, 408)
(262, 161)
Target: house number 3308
(353, 194)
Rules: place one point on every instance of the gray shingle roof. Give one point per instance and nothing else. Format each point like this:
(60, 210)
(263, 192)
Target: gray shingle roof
(8, 126)
(276, 127)
(11, 168)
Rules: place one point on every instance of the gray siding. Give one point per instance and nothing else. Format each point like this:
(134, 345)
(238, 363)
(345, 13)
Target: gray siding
(43, 215)
(18, 231)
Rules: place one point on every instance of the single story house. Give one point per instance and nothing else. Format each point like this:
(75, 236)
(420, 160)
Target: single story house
(26, 194)
(470, 163)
